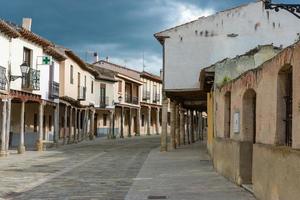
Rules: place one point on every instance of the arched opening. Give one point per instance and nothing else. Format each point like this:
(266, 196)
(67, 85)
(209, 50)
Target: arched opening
(285, 106)
(249, 132)
(227, 115)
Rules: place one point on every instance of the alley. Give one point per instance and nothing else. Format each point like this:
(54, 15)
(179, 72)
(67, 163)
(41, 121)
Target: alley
(118, 169)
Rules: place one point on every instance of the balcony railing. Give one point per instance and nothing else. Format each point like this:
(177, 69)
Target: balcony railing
(2, 78)
(135, 100)
(128, 98)
(54, 89)
(104, 102)
(156, 98)
(31, 81)
(146, 95)
(81, 93)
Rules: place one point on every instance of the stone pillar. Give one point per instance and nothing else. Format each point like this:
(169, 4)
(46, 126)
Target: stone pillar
(56, 124)
(173, 125)
(79, 136)
(3, 129)
(188, 127)
(164, 131)
(129, 123)
(65, 124)
(138, 123)
(39, 145)
(71, 125)
(122, 123)
(21, 148)
(111, 124)
(181, 124)
(192, 127)
(8, 118)
(157, 121)
(75, 125)
(85, 123)
(92, 125)
(148, 121)
(177, 126)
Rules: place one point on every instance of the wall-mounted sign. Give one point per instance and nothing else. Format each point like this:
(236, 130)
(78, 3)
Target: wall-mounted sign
(236, 122)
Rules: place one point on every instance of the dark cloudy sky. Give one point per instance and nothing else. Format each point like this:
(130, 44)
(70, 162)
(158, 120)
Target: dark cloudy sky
(120, 29)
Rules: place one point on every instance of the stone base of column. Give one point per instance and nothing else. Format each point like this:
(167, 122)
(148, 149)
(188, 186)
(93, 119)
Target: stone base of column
(137, 134)
(129, 135)
(39, 145)
(21, 149)
(121, 136)
(91, 136)
(3, 154)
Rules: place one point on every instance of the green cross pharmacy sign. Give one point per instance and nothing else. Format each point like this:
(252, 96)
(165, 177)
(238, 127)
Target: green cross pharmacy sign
(44, 60)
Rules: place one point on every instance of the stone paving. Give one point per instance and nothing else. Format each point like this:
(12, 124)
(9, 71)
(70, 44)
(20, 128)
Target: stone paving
(184, 174)
(114, 169)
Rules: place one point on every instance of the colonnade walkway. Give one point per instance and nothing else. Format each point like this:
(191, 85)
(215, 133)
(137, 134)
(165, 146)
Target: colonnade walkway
(183, 174)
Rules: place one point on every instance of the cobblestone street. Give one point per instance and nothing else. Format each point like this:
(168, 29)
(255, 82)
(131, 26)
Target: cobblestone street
(104, 169)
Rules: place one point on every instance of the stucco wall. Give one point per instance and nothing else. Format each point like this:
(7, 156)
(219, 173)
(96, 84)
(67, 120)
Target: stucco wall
(276, 173)
(207, 40)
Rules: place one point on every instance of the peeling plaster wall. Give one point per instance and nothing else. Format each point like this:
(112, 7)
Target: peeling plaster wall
(198, 44)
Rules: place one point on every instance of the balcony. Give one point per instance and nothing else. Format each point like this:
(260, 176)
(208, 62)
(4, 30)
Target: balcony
(81, 93)
(146, 95)
(31, 81)
(2, 78)
(54, 90)
(156, 98)
(135, 100)
(104, 102)
(128, 98)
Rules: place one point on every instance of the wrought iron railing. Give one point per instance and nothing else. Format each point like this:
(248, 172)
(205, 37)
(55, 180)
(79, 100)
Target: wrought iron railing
(54, 89)
(146, 95)
(128, 98)
(31, 81)
(135, 100)
(81, 93)
(2, 78)
(104, 102)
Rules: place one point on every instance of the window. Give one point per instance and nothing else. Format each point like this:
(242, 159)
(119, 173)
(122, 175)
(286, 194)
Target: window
(143, 120)
(104, 119)
(27, 56)
(35, 121)
(92, 87)
(154, 94)
(102, 94)
(71, 74)
(169, 118)
(120, 87)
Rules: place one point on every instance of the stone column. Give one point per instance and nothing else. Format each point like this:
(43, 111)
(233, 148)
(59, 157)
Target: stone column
(3, 129)
(148, 121)
(157, 121)
(164, 131)
(21, 148)
(138, 123)
(39, 144)
(110, 125)
(192, 127)
(177, 126)
(56, 124)
(71, 125)
(75, 126)
(173, 125)
(79, 136)
(65, 124)
(85, 123)
(8, 118)
(129, 123)
(92, 125)
(181, 124)
(188, 127)
(122, 123)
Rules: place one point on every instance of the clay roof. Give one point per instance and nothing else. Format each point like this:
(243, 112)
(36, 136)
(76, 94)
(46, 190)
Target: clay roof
(55, 53)
(151, 76)
(104, 74)
(8, 30)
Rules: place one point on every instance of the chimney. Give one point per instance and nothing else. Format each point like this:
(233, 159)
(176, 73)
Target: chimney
(107, 59)
(96, 57)
(27, 23)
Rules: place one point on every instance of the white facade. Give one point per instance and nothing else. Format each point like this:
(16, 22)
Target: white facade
(153, 87)
(201, 43)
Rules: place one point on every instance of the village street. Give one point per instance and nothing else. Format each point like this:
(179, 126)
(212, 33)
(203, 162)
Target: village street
(115, 169)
